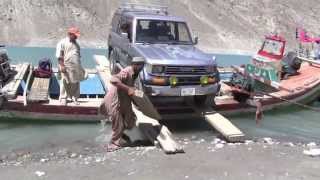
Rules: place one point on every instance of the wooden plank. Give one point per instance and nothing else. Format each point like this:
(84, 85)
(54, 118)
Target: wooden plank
(225, 127)
(12, 87)
(309, 60)
(102, 61)
(103, 69)
(21, 74)
(145, 105)
(28, 84)
(39, 90)
(157, 133)
(229, 131)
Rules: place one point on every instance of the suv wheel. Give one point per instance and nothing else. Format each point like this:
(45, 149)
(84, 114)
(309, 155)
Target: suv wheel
(113, 63)
(204, 100)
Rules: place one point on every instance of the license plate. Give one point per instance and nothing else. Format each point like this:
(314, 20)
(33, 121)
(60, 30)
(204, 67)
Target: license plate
(188, 91)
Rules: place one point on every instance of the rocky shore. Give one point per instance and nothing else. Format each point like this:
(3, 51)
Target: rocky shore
(204, 158)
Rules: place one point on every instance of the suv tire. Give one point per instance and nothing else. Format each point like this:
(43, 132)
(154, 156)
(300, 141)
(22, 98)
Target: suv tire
(204, 100)
(113, 63)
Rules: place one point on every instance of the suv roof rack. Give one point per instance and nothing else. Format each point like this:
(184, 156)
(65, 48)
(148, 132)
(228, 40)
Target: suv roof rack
(138, 7)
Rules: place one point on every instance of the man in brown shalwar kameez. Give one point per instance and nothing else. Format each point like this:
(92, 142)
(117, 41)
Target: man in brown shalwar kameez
(117, 102)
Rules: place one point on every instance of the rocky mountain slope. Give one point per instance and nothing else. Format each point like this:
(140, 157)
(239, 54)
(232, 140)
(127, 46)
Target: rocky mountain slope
(228, 25)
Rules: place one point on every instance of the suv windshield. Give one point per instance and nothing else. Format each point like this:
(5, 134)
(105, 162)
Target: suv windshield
(158, 31)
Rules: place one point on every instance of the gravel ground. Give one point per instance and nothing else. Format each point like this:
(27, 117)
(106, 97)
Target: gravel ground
(204, 158)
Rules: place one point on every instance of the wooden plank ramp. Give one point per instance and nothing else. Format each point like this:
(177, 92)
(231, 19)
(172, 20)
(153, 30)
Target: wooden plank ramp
(223, 125)
(103, 69)
(147, 115)
(147, 122)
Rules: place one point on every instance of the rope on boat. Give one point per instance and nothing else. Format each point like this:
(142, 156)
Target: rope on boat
(292, 102)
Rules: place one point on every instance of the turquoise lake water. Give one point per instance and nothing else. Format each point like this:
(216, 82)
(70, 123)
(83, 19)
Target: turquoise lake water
(34, 54)
(292, 124)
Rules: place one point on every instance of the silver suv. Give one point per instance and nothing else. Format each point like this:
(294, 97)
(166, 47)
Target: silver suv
(174, 66)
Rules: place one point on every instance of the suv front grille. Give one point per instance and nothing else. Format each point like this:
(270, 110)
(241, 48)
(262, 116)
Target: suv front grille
(186, 70)
(188, 81)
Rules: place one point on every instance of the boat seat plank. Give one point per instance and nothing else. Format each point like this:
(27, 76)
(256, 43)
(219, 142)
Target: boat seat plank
(39, 89)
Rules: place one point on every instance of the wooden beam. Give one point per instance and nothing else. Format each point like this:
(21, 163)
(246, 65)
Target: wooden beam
(225, 127)
(157, 133)
(309, 60)
(229, 131)
(145, 105)
(101, 60)
(28, 83)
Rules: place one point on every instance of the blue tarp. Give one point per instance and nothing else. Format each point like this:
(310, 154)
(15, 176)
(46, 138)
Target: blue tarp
(90, 86)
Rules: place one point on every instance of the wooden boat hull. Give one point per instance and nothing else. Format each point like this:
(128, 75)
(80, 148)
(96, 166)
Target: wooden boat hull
(51, 112)
(18, 106)
(305, 88)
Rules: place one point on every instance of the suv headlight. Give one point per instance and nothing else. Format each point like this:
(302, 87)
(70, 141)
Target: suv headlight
(157, 69)
(148, 68)
(154, 69)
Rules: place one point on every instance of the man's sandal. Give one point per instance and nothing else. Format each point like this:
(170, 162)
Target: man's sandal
(112, 147)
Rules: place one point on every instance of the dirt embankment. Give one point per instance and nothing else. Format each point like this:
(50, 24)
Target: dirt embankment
(233, 24)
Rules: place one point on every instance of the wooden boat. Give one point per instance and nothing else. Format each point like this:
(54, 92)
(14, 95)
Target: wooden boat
(303, 87)
(29, 97)
(300, 89)
(286, 80)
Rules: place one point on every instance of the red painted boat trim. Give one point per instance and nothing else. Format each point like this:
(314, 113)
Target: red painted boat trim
(51, 109)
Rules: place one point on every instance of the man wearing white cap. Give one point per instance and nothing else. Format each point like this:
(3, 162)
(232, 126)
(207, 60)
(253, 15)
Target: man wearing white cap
(68, 54)
(117, 102)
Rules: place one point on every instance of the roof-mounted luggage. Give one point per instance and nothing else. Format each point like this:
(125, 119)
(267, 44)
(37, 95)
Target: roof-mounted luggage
(138, 7)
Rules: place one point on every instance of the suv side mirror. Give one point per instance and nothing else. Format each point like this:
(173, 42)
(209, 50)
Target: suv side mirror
(195, 41)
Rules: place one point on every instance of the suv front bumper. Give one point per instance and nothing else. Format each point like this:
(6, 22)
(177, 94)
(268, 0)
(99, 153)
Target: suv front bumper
(176, 91)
